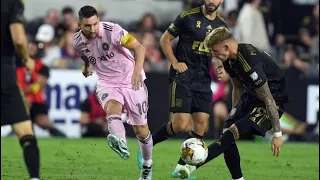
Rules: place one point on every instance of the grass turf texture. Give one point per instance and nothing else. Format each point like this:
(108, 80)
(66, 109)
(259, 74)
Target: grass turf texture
(84, 159)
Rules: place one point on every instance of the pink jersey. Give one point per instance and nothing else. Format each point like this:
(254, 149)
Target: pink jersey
(112, 62)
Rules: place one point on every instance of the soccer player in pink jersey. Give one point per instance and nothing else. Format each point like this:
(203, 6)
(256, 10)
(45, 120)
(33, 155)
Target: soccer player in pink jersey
(105, 47)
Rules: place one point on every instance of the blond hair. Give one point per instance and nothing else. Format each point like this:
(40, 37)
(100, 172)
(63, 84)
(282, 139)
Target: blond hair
(217, 36)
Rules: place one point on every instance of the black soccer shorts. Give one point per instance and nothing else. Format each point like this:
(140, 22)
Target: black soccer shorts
(38, 109)
(13, 104)
(251, 116)
(184, 100)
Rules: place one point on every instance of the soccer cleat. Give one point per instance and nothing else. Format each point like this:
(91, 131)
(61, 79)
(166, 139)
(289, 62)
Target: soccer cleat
(139, 159)
(146, 173)
(119, 146)
(184, 172)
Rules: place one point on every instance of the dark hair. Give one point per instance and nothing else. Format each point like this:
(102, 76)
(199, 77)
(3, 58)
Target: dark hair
(67, 10)
(145, 16)
(233, 14)
(87, 12)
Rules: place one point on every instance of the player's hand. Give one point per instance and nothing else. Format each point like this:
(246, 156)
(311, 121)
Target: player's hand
(30, 65)
(180, 67)
(87, 72)
(221, 73)
(136, 80)
(276, 145)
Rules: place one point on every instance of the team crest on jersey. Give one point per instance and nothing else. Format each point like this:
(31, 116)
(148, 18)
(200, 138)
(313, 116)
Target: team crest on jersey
(92, 60)
(104, 96)
(254, 76)
(179, 102)
(105, 46)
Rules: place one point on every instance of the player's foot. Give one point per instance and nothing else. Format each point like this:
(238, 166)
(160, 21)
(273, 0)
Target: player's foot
(34, 179)
(184, 173)
(146, 173)
(139, 158)
(119, 146)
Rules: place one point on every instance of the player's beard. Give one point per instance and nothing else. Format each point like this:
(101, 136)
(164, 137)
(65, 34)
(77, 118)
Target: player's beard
(209, 9)
(93, 35)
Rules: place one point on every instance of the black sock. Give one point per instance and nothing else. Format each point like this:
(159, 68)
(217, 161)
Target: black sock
(232, 159)
(191, 135)
(55, 132)
(31, 155)
(163, 133)
(217, 148)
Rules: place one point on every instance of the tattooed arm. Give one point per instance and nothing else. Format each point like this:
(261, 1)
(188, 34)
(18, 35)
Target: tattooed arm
(265, 95)
(237, 90)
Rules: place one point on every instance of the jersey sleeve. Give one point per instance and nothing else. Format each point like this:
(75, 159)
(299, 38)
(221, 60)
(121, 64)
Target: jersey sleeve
(252, 66)
(76, 45)
(17, 12)
(176, 27)
(117, 34)
(227, 68)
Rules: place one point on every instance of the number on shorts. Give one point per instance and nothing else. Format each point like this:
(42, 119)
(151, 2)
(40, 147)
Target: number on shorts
(142, 107)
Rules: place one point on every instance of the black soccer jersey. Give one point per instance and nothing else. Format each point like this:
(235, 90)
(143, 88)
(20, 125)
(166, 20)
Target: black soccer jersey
(192, 27)
(11, 12)
(253, 67)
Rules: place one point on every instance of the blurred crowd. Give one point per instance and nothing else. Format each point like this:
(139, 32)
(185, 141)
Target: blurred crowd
(250, 21)
(51, 36)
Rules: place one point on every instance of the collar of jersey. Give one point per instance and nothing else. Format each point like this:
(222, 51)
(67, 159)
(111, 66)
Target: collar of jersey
(84, 39)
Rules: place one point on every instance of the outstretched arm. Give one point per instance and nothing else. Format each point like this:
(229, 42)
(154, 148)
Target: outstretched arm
(264, 94)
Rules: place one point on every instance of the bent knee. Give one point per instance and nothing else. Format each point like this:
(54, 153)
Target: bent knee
(141, 131)
(113, 107)
(23, 128)
(180, 122)
(234, 129)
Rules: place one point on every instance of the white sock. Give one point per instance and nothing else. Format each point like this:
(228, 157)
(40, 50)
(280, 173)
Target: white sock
(178, 167)
(147, 163)
(239, 179)
(34, 179)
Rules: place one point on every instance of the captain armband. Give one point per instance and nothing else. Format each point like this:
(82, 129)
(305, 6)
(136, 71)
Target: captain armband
(127, 40)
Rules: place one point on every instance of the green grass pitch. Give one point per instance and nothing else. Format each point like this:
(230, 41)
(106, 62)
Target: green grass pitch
(92, 159)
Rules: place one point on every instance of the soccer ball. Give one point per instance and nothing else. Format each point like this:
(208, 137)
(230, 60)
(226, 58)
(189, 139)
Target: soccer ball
(193, 151)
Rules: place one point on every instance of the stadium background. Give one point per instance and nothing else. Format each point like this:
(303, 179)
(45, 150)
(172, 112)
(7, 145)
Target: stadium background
(293, 41)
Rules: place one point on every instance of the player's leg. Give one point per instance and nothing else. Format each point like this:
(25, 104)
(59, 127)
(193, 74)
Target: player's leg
(200, 109)
(29, 144)
(39, 114)
(231, 154)
(14, 111)
(136, 103)
(146, 145)
(228, 137)
(112, 102)
(180, 105)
